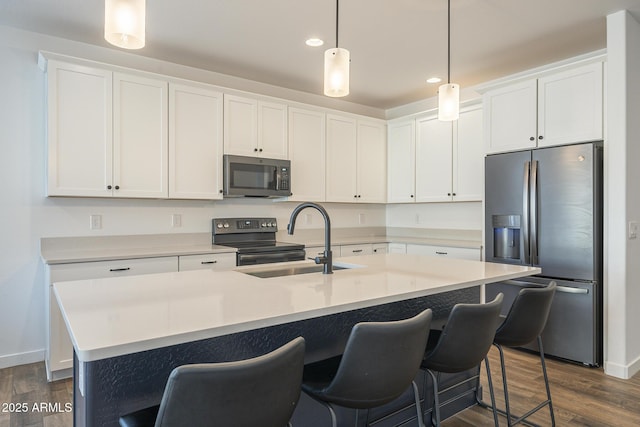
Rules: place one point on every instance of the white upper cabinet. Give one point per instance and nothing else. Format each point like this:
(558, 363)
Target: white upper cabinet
(401, 161)
(307, 154)
(468, 156)
(560, 108)
(79, 121)
(255, 128)
(356, 160)
(342, 155)
(140, 144)
(372, 162)
(107, 133)
(195, 142)
(433, 160)
(436, 161)
(570, 106)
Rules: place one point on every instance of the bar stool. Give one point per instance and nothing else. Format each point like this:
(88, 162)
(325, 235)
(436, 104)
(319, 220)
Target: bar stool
(462, 345)
(523, 324)
(258, 392)
(380, 362)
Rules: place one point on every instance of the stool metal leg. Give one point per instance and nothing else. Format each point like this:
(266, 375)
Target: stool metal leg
(436, 401)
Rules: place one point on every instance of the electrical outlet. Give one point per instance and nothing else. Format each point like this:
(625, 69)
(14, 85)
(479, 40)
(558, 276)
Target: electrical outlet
(361, 218)
(417, 218)
(95, 222)
(176, 220)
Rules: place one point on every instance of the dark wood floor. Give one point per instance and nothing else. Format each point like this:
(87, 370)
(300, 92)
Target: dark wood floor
(582, 396)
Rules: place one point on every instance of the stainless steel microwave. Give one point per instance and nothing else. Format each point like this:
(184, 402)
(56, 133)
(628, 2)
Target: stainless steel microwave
(256, 177)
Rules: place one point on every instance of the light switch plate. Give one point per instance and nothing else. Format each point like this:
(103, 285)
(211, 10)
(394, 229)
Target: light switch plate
(633, 230)
(95, 222)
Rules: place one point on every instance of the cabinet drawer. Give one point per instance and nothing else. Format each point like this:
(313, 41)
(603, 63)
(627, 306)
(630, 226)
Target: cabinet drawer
(380, 248)
(225, 261)
(115, 268)
(355, 250)
(463, 253)
(397, 248)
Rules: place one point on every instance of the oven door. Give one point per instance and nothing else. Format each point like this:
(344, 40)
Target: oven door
(269, 257)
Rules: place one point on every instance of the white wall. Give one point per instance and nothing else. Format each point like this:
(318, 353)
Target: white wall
(456, 216)
(622, 175)
(26, 214)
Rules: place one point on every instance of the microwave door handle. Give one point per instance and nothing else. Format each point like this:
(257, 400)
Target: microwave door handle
(525, 213)
(278, 179)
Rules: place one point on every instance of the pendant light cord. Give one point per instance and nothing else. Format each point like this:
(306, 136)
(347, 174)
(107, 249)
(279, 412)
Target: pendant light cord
(337, 13)
(448, 41)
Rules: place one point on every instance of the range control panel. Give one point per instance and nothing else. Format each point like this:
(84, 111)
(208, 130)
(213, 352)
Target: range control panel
(244, 225)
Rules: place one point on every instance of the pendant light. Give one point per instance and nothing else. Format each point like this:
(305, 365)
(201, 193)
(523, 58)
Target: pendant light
(336, 68)
(448, 94)
(124, 23)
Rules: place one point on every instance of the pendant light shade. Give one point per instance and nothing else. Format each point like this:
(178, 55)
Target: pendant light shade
(448, 102)
(336, 67)
(124, 23)
(336, 72)
(448, 94)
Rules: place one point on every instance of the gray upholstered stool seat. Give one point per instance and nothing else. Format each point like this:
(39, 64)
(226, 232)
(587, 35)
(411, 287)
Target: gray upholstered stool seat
(379, 363)
(258, 392)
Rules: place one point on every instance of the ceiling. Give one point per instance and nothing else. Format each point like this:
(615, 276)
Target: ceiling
(395, 45)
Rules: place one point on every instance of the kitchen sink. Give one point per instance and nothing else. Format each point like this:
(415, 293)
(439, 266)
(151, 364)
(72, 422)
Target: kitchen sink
(293, 270)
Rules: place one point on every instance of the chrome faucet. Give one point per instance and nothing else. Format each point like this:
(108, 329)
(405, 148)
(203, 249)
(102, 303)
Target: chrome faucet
(327, 257)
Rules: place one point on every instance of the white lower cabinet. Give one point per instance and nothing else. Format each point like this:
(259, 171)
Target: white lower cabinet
(448, 251)
(356, 250)
(380, 248)
(59, 351)
(224, 261)
(397, 248)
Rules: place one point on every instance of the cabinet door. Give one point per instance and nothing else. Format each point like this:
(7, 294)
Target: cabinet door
(570, 106)
(433, 160)
(401, 162)
(218, 262)
(272, 130)
(307, 154)
(240, 126)
(372, 162)
(140, 143)
(195, 142)
(380, 248)
(444, 251)
(79, 130)
(341, 159)
(468, 157)
(60, 349)
(510, 117)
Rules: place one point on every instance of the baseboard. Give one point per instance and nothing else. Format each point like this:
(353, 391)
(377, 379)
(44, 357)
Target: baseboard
(622, 371)
(10, 360)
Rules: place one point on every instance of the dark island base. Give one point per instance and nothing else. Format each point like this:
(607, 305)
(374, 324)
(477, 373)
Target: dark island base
(123, 384)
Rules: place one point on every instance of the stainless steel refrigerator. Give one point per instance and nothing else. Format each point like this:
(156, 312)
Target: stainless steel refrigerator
(543, 208)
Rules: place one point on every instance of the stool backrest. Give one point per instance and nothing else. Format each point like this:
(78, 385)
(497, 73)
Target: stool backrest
(380, 361)
(527, 316)
(466, 337)
(258, 392)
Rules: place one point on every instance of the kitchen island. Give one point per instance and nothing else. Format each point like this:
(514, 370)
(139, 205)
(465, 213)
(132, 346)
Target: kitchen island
(128, 333)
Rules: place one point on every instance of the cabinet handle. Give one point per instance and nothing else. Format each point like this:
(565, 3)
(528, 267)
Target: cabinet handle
(255, 150)
(541, 137)
(260, 150)
(441, 253)
(412, 196)
(355, 196)
(356, 251)
(359, 196)
(448, 194)
(109, 187)
(117, 187)
(532, 139)
(453, 194)
(120, 269)
(209, 262)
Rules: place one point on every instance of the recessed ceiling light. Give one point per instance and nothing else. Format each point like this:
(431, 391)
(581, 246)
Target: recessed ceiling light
(314, 42)
(434, 80)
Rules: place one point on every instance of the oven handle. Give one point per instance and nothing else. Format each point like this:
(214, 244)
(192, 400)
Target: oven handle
(246, 259)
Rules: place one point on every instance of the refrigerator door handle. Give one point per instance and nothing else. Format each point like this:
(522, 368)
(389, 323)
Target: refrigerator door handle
(525, 213)
(569, 290)
(534, 213)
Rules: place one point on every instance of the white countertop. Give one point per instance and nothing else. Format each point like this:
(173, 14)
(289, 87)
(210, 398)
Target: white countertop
(117, 316)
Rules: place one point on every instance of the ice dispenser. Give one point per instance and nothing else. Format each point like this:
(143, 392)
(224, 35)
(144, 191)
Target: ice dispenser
(506, 236)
